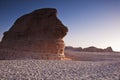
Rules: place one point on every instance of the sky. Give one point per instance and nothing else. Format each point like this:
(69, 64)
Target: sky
(90, 22)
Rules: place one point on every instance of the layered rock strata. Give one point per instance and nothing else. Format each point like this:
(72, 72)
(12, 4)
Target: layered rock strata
(39, 32)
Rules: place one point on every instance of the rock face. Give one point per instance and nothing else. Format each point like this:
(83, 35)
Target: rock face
(40, 31)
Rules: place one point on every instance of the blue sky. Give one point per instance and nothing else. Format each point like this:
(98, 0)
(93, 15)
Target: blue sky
(90, 22)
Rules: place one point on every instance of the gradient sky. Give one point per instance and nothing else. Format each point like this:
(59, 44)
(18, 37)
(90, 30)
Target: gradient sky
(90, 22)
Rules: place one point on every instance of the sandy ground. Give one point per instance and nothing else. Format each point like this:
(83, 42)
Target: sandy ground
(92, 56)
(86, 66)
(59, 70)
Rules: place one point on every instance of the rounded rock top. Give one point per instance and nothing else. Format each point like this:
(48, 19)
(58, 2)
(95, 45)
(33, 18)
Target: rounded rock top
(46, 10)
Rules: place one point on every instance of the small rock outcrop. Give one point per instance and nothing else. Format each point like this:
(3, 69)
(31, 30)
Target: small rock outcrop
(108, 49)
(39, 32)
(92, 49)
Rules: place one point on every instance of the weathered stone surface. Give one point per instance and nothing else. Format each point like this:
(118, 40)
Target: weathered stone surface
(40, 31)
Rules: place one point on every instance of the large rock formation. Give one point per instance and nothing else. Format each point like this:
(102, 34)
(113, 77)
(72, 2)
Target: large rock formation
(39, 32)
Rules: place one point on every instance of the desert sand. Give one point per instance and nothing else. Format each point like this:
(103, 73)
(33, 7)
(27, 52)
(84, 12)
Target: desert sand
(90, 66)
(92, 56)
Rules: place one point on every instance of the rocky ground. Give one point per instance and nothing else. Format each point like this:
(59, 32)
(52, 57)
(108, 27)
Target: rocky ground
(59, 70)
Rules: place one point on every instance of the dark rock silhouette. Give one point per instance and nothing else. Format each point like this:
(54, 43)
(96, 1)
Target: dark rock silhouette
(108, 49)
(92, 49)
(73, 48)
(89, 49)
(40, 31)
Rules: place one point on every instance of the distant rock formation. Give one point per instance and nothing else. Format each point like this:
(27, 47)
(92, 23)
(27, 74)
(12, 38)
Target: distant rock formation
(92, 49)
(73, 48)
(108, 49)
(40, 31)
(89, 49)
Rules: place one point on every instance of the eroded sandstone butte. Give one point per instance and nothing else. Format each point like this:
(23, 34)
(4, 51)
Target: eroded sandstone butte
(39, 33)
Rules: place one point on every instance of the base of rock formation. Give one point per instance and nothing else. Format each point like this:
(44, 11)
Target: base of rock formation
(37, 50)
(13, 54)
